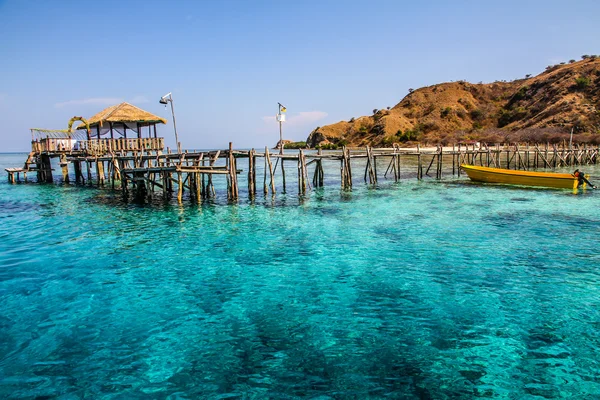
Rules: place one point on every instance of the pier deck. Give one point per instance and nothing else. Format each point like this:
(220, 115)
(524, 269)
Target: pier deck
(139, 171)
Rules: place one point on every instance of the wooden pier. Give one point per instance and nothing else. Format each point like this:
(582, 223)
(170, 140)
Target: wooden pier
(141, 170)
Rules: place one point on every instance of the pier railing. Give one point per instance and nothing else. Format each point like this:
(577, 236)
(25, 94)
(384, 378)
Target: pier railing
(131, 163)
(97, 146)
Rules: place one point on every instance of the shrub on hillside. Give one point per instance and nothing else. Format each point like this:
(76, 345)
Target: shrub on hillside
(296, 145)
(582, 82)
(511, 115)
(408, 135)
(477, 115)
(445, 112)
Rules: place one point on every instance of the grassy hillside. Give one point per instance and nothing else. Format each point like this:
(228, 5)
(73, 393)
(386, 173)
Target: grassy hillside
(543, 107)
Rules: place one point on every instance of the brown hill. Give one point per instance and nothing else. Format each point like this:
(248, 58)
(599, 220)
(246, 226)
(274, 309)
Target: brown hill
(564, 96)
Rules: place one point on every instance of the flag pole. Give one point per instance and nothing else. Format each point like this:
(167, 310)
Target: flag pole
(280, 131)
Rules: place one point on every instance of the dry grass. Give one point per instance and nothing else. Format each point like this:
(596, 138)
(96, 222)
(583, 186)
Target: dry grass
(542, 107)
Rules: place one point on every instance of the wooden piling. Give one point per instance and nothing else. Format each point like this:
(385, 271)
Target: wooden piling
(419, 164)
(251, 174)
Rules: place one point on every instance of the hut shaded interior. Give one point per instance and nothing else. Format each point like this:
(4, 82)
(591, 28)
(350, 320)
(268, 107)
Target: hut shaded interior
(121, 120)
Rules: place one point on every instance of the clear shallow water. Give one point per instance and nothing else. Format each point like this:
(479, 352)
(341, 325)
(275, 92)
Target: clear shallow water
(416, 290)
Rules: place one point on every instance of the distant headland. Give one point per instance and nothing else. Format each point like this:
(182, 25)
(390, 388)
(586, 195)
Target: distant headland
(538, 108)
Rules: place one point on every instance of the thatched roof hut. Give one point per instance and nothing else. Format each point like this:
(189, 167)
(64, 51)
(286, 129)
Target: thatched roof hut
(117, 119)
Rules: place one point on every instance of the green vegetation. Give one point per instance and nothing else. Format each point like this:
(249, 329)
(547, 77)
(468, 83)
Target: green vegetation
(295, 145)
(477, 115)
(508, 116)
(582, 82)
(407, 135)
(521, 93)
(445, 112)
(327, 146)
(389, 141)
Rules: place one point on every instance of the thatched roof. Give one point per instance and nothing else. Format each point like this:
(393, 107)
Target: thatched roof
(124, 112)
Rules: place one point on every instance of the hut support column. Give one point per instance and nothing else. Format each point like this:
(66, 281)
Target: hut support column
(64, 167)
(47, 169)
(100, 172)
(78, 174)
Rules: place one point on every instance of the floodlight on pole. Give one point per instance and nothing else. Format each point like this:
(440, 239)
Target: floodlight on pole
(168, 98)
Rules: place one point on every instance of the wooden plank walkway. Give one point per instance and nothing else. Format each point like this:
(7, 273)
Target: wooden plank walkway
(141, 172)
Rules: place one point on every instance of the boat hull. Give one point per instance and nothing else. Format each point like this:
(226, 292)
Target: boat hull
(526, 178)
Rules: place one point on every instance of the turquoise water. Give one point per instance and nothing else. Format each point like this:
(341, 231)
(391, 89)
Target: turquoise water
(412, 290)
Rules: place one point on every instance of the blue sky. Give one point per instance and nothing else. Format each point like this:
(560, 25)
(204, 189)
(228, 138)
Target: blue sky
(228, 63)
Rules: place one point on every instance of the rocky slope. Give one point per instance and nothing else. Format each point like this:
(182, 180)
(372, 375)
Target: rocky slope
(564, 96)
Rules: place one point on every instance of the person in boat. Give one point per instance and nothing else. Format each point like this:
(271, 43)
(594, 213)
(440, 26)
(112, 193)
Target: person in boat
(580, 175)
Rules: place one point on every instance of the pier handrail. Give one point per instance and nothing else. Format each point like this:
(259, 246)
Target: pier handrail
(97, 146)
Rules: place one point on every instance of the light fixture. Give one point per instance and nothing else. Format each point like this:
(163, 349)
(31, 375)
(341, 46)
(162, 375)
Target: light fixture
(168, 98)
(280, 119)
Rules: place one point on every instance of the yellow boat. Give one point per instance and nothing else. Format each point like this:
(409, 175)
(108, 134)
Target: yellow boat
(527, 178)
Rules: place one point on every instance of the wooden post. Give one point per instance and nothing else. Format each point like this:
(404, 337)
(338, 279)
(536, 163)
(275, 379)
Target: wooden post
(347, 169)
(210, 186)
(419, 164)
(100, 172)
(300, 174)
(270, 165)
(64, 167)
(47, 168)
(304, 170)
(439, 164)
(250, 171)
(179, 187)
(266, 165)
(282, 168)
(77, 168)
(229, 164)
(398, 163)
(198, 187)
(232, 174)
(453, 160)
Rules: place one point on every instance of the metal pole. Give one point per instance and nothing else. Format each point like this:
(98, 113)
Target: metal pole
(174, 124)
(280, 133)
(571, 140)
(280, 139)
